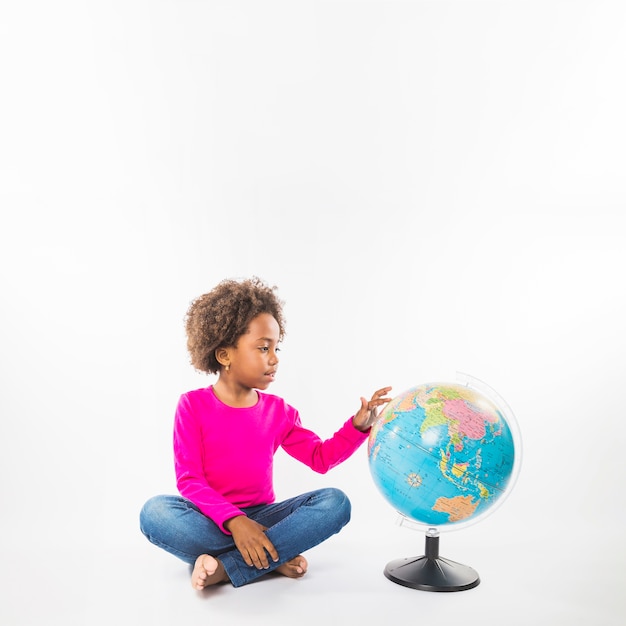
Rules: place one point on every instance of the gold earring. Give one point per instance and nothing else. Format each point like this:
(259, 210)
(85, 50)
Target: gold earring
(227, 368)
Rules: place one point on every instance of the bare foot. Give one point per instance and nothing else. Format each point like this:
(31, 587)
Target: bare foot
(207, 571)
(296, 568)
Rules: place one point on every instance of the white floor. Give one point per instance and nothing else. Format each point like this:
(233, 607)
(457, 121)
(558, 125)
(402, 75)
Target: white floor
(546, 576)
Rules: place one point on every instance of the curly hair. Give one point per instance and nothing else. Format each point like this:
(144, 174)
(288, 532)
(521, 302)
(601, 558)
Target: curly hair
(218, 318)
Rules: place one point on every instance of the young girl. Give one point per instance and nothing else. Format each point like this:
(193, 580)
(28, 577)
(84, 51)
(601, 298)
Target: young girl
(226, 522)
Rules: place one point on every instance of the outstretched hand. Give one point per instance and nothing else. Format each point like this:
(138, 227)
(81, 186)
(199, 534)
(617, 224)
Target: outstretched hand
(368, 412)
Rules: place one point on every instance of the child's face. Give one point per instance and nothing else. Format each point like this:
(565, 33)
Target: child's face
(254, 359)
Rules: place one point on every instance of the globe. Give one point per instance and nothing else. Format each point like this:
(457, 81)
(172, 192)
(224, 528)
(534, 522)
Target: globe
(444, 455)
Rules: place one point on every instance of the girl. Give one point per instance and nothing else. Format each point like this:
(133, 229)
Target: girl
(226, 522)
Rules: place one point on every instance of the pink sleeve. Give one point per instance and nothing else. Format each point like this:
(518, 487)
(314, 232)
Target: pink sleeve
(321, 456)
(190, 478)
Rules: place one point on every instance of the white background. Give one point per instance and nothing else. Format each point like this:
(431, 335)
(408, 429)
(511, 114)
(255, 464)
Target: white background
(434, 187)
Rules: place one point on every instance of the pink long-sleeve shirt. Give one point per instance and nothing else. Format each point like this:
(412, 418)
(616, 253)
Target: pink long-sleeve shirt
(223, 456)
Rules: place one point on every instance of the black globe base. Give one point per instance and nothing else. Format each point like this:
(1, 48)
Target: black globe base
(431, 572)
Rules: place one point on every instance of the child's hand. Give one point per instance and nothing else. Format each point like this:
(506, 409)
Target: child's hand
(251, 541)
(368, 412)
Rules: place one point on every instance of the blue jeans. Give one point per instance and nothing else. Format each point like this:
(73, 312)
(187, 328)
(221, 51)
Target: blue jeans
(293, 526)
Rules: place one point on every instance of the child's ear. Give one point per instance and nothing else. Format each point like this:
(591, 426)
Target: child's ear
(222, 356)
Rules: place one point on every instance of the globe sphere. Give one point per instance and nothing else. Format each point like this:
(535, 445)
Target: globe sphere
(443, 454)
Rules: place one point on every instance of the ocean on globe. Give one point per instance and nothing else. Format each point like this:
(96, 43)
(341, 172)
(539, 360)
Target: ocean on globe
(442, 454)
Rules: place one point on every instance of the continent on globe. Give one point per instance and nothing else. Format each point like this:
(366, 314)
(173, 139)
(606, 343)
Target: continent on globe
(457, 508)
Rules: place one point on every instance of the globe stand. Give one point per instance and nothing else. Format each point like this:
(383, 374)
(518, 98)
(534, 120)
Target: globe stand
(431, 572)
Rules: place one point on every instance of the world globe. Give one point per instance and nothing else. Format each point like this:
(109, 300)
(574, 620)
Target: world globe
(444, 455)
